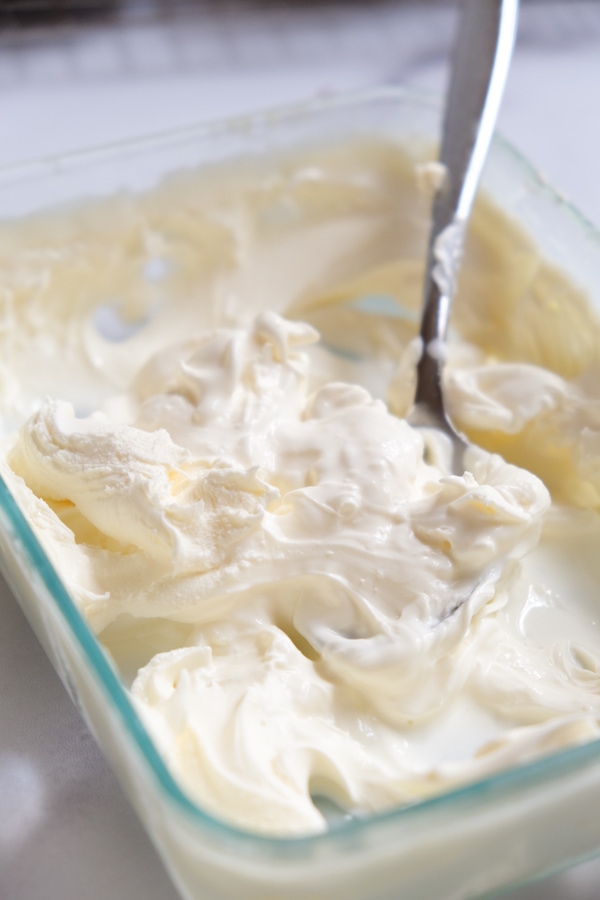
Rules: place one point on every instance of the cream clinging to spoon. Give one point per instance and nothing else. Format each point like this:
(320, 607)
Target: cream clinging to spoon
(479, 70)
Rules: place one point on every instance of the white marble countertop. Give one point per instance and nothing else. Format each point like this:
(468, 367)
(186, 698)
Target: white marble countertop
(66, 829)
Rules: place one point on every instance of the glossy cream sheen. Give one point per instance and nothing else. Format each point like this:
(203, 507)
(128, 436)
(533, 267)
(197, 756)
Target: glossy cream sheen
(308, 604)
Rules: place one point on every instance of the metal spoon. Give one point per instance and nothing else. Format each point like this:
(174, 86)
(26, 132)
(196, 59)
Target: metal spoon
(481, 61)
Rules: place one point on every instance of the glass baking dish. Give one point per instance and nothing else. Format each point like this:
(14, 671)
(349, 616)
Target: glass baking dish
(472, 841)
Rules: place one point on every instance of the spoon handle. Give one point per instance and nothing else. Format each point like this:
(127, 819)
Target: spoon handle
(479, 68)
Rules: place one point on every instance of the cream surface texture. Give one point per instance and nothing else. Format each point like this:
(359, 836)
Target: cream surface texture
(310, 611)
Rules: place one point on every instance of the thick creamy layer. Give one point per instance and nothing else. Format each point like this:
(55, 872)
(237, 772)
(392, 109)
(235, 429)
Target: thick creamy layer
(339, 591)
(304, 601)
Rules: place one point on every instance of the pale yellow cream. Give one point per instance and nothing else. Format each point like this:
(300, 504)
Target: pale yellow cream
(302, 601)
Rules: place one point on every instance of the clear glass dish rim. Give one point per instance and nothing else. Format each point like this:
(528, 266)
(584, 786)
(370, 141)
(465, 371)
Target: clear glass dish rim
(501, 785)
(212, 129)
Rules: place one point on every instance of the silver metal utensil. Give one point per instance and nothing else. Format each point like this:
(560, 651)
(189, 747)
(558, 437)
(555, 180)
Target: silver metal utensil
(481, 61)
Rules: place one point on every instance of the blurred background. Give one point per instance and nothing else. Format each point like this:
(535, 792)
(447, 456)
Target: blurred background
(75, 73)
(78, 73)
